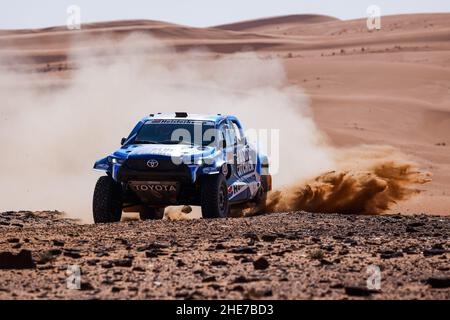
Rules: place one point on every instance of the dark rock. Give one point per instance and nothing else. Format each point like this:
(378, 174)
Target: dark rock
(86, 286)
(138, 269)
(241, 279)
(92, 262)
(153, 253)
(439, 282)
(357, 291)
(199, 272)
(337, 286)
(58, 243)
(261, 264)
(123, 263)
(22, 260)
(325, 262)
(416, 224)
(328, 248)
(218, 263)
(128, 256)
(433, 252)
(220, 246)
(243, 250)
(102, 254)
(74, 255)
(153, 246)
(16, 245)
(13, 240)
(116, 289)
(122, 241)
(258, 293)
(55, 252)
(107, 265)
(238, 288)
(251, 235)
(410, 250)
(180, 263)
(269, 237)
(388, 254)
(209, 279)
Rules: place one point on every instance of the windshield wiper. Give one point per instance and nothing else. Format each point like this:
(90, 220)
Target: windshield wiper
(170, 142)
(144, 142)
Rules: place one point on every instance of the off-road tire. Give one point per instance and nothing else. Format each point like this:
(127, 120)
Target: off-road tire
(107, 201)
(151, 213)
(214, 197)
(261, 197)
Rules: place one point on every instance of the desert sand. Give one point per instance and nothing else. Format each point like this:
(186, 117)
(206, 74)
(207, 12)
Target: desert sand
(295, 255)
(388, 86)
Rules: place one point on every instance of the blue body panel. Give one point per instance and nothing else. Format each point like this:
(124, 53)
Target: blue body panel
(243, 180)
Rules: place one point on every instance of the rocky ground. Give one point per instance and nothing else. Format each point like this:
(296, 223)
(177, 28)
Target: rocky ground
(278, 256)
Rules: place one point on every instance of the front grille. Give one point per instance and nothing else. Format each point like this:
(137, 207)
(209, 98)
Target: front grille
(164, 165)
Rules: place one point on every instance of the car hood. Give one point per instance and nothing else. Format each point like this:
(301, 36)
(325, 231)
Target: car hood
(163, 150)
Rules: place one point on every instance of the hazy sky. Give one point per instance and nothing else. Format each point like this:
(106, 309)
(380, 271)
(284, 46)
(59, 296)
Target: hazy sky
(43, 13)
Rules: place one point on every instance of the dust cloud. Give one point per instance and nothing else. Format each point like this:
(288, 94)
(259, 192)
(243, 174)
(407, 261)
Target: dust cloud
(53, 127)
(372, 191)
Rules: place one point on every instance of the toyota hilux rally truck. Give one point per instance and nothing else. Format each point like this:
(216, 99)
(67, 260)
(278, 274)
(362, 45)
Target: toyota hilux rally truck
(181, 159)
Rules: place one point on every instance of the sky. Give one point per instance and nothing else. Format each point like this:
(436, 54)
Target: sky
(19, 14)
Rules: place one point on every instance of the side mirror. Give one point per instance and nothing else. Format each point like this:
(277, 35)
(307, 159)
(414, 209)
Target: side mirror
(122, 141)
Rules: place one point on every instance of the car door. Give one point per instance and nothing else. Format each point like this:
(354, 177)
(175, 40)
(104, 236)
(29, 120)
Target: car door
(244, 185)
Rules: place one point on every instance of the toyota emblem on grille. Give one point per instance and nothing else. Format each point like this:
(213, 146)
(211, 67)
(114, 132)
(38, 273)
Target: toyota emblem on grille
(152, 163)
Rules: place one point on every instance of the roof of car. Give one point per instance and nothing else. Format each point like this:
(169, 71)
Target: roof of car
(188, 116)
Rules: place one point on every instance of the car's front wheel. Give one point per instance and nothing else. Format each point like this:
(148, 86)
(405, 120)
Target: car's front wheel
(151, 213)
(214, 197)
(107, 201)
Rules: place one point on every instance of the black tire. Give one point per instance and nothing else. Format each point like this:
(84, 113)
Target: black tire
(107, 202)
(214, 197)
(151, 213)
(265, 183)
(261, 197)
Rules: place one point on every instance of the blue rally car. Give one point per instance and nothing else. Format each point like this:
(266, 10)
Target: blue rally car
(181, 159)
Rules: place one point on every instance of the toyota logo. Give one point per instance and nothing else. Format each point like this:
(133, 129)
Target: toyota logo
(152, 163)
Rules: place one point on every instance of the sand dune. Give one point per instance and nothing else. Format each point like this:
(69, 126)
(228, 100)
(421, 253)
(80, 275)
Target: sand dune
(390, 86)
(277, 23)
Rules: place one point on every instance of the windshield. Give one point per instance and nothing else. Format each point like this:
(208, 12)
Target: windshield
(174, 131)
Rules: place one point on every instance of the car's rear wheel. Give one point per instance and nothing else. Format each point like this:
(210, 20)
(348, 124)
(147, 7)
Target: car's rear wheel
(151, 213)
(214, 197)
(261, 197)
(107, 201)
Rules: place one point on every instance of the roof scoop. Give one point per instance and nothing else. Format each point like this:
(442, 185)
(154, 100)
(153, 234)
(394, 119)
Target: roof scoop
(181, 114)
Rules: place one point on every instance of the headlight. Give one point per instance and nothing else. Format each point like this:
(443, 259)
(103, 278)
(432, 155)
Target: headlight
(116, 160)
(199, 162)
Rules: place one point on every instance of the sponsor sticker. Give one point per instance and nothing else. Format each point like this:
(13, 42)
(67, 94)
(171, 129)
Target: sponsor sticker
(159, 190)
(180, 121)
